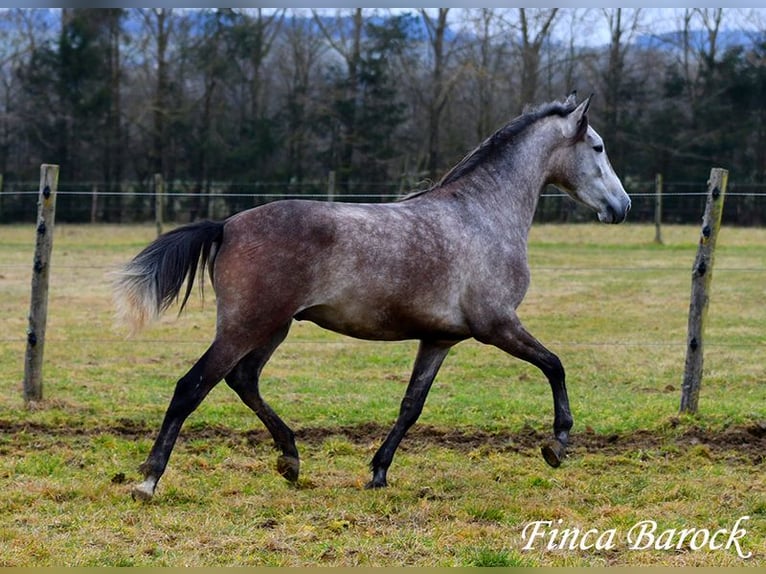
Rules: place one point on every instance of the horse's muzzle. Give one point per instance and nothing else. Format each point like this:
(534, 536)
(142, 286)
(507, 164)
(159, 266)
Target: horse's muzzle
(614, 213)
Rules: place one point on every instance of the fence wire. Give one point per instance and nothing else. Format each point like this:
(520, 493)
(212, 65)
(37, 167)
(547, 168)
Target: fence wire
(643, 207)
(680, 344)
(182, 201)
(380, 196)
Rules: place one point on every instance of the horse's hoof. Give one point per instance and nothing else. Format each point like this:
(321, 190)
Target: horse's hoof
(373, 484)
(378, 479)
(143, 492)
(289, 467)
(554, 453)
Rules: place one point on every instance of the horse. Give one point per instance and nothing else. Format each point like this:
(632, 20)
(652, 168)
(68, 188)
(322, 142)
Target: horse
(440, 266)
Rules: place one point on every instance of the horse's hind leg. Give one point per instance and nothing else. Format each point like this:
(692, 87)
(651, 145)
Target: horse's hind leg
(244, 380)
(427, 363)
(514, 339)
(190, 391)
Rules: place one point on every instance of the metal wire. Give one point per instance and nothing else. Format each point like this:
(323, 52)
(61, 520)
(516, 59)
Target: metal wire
(388, 196)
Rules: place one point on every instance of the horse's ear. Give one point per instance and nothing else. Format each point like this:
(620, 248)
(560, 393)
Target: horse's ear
(581, 110)
(579, 119)
(571, 99)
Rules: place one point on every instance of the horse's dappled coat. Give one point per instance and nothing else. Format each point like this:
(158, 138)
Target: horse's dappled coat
(441, 266)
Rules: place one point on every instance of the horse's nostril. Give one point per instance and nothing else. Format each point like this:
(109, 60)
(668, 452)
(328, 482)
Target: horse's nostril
(616, 214)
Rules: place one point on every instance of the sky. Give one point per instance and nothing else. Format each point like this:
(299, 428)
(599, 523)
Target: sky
(375, 4)
(662, 19)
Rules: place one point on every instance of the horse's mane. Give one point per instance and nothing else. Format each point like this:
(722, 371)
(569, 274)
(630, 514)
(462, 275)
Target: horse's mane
(494, 143)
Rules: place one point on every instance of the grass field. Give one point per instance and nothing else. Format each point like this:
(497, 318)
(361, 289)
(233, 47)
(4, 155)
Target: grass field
(468, 479)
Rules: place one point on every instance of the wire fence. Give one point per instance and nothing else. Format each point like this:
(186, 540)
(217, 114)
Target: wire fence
(557, 270)
(85, 202)
(135, 202)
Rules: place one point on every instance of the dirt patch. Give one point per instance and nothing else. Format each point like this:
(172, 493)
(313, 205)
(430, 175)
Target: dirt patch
(744, 442)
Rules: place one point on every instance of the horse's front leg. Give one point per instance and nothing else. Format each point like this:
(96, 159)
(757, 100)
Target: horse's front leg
(511, 337)
(429, 359)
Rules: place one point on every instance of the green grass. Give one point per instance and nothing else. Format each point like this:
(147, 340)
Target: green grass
(607, 300)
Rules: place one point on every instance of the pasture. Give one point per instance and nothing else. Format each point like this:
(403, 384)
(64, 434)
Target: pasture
(467, 479)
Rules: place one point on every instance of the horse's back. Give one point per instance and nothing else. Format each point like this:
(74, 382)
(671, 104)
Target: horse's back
(376, 237)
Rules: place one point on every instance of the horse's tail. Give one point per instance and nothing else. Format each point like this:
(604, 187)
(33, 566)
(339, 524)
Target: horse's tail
(152, 281)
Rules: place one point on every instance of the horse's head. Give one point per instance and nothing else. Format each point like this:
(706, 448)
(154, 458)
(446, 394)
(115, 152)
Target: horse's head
(581, 167)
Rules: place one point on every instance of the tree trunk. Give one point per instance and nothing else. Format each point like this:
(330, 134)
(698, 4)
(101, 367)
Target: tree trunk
(439, 89)
(163, 26)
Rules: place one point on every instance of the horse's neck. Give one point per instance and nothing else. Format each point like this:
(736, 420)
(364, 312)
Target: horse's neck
(506, 194)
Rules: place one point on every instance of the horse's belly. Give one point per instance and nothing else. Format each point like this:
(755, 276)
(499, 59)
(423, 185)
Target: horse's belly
(385, 323)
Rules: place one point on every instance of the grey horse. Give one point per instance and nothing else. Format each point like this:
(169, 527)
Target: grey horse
(440, 266)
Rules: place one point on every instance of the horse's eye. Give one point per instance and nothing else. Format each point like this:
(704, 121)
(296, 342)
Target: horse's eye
(598, 148)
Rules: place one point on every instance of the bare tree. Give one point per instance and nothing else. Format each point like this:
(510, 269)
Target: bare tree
(695, 54)
(711, 20)
(623, 24)
(534, 27)
(212, 60)
(15, 50)
(442, 81)
(262, 29)
(348, 45)
(485, 68)
(297, 63)
(158, 25)
(576, 27)
(115, 137)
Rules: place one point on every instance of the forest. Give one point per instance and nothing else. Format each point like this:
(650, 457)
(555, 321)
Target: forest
(234, 107)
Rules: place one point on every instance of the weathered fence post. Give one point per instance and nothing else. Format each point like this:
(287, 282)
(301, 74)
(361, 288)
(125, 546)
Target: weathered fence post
(702, 275)
(331, 186)
(94, 203)
(38, 308)
(159, 199)
(658, 208)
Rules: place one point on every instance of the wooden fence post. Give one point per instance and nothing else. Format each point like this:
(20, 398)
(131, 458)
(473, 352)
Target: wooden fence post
(702, 275)
(331, 186)
(159, 199)
(658, 208)
(38, 308)
(94, 203)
